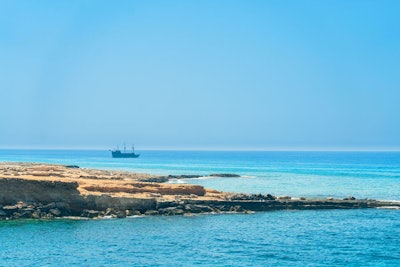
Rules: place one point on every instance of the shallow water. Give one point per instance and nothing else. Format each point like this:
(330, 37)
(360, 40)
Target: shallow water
(284, 238)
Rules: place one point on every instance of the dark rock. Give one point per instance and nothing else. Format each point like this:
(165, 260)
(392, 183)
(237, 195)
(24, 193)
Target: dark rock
(151, 212)
(109, 212)
(269, 197)
(133, 213)
(162, 179)
(167, 211)
(62, 205)
(16, 215)
(223, 208)
(216, 210)
(72, 166)
(115, 213)
(171, 211)
(25, 214)
(224, 175)
(166, 204)
(184, 176)
(45, 215)
(3, 215)
(129, 212)
(55, 212)
(237, 208)
(178, 212)
(36, 214)
(10, 209)
(137, 213)
(257, 197)
(90, 213)
(238, 196)
(197, 208)
(121, 214)
(47, 207)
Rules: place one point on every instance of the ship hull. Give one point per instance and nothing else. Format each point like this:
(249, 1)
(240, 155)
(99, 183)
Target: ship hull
(118, 154)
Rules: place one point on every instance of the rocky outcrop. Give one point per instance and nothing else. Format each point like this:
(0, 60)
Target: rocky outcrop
(183, 176)
(102, 206)
(44, 191)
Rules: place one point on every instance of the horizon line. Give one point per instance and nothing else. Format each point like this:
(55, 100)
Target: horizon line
(262, 149)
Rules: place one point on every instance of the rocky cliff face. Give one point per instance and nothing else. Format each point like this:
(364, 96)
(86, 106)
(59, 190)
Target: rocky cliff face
(13, 190)
(81, 189)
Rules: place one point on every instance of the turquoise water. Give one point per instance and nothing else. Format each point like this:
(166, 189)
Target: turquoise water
(285, 238)
(309, 174)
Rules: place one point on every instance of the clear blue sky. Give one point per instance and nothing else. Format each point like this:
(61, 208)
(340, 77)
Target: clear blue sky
(200, 74)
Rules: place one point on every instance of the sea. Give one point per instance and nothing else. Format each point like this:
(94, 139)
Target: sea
(363, 237)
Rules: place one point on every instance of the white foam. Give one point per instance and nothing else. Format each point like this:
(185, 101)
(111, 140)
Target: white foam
(389, 207)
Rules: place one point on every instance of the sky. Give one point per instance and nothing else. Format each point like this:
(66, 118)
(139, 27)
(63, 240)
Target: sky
(200, 74)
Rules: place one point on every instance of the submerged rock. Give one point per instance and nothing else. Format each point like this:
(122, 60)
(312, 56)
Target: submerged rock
(224, 175)
(285, 198)
(160, 179)
(72, 166)
(184, 176)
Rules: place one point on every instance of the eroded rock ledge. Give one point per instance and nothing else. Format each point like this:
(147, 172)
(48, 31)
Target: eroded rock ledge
(42, 191)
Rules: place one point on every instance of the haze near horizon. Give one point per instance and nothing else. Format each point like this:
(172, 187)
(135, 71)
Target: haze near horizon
(200, 75)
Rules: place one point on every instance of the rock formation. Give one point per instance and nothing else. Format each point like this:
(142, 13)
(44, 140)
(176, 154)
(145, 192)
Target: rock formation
(43, 191)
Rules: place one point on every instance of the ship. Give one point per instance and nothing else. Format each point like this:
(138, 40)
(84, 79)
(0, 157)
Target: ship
(119, 154)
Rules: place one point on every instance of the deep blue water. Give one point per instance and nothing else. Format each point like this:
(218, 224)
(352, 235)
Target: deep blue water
(285, 238)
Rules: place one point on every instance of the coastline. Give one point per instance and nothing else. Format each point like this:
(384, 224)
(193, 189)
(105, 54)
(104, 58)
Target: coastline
(45, 191)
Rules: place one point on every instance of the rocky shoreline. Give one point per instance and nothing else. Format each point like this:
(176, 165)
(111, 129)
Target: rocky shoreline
(22, 210)
(46, 191)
